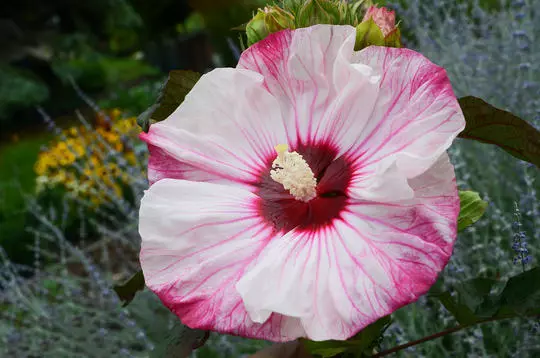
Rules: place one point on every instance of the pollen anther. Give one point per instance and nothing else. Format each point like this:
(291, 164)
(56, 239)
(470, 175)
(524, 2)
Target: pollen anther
(293, 172)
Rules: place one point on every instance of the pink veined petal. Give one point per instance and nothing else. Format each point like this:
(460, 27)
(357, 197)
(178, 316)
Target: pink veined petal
(224, 130)
(415, 119)
(198, 239)
(161, 166)
(416, 116)
(377, 258)
(322, 95)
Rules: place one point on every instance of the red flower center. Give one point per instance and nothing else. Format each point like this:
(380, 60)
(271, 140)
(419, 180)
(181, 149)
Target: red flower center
(281, 210)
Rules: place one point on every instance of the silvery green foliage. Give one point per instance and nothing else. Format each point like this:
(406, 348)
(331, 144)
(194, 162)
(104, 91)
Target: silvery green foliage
(494, 55)
(64, 305)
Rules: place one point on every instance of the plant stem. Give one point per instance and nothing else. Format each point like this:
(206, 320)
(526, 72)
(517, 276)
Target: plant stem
(435, 336)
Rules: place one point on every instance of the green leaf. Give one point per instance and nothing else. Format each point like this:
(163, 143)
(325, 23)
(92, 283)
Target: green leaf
(368, 33)
(126, 292)
(522, 293)
(461, 313)
(175, 90)
(180, 342)
(469, 299)
(472, 207)
(473, 293)
(143, 120)
(488, 124)
(483, 299)
(362, 343)
(294, 349)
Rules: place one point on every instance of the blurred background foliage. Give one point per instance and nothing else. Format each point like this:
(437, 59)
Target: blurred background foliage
(118, 52)
(73, 77)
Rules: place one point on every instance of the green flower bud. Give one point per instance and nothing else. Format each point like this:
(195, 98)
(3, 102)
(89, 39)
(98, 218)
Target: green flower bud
(378, 28)
(256, 29)
(315, 12)
(367, 34)
(277, 19)
(268, 20)
(393, 39)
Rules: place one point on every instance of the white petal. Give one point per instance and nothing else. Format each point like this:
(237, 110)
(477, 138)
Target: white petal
(416, 116)
(321, 94)
(226, 127)
(197, 241)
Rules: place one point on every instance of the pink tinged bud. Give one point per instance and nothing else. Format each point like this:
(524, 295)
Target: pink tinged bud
(384, 18)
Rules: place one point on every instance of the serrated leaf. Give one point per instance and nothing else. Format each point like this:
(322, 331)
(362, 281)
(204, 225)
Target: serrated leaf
(472, 207)
(360, 343)
(175, 90)
(368, 33)
(126, 291)
(489, 124)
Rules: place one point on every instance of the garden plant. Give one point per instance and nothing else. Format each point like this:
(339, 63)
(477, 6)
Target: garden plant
(363, 183)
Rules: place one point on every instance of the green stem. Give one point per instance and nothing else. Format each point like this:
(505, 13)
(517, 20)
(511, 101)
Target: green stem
(436, 335)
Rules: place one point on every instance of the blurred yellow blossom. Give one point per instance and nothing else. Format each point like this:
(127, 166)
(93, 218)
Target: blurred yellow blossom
(83, 161)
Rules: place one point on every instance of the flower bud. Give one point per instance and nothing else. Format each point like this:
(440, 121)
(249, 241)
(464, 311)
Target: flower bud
(315, 12)
(384, 18)
(378, 28)
(266, 21)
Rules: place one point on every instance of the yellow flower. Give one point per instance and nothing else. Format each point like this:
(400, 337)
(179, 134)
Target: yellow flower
(89, 147)
(59, 178)
(126, 126)
(75, 146)
(66, 158)
(115, 113)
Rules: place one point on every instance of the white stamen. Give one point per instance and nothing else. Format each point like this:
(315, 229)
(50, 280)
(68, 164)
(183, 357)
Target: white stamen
(294, 173)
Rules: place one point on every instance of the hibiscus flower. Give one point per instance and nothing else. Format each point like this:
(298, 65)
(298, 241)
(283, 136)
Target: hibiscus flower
(304, 193)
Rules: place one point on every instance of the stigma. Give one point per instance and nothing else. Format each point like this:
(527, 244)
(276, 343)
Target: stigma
(293, 172)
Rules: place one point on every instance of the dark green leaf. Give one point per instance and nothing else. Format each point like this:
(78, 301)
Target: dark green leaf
(472, 293)
(175, 90)
(143, 120)
(126, 292)
(522, 293)
(293, 349)
(482, 298)
(361, 343)
(460, 312)
(472, 207)
(488, 124)
(180, 342)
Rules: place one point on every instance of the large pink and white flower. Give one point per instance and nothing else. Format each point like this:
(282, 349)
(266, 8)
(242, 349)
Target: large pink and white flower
(304, 193)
